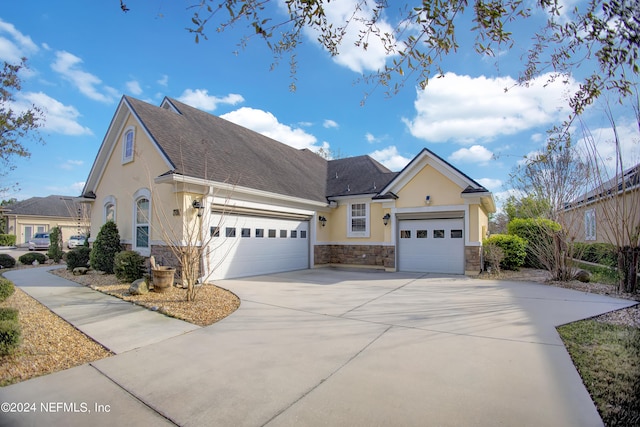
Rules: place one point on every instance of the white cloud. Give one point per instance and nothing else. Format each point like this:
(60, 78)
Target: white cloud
(603, 139)
(474, 154)
(134, 87)
(201, 99)
(330, 124)
(164, 80)
(490, 184)
(465, 109)
(68, 66)
(15, 47)
(59, 118)
(371, 138)
(267, 124)
(390, 158)
(71, 164)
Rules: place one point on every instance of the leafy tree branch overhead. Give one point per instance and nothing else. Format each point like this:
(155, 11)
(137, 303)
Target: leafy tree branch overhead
(598, 37)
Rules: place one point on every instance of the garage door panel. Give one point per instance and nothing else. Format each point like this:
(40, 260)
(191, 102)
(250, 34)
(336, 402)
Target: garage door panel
(431, 246)
(252, 251)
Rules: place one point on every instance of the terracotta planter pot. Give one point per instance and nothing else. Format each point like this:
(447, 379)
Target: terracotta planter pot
(162, 278)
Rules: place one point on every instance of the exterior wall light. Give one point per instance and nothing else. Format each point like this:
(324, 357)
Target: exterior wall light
(197, 204)
(322, 220)
(386, 219)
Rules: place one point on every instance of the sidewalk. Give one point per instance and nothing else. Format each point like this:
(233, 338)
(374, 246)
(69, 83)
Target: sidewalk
(118, 325)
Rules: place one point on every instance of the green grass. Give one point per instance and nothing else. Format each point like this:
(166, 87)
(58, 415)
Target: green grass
(608, 360)
(605, 275)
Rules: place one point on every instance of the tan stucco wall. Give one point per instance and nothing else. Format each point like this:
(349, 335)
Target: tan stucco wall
(337, 224)
(16, 225)
(429, 182)
(478, 223)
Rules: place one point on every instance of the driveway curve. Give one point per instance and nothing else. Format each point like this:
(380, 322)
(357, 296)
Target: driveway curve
(349, 348)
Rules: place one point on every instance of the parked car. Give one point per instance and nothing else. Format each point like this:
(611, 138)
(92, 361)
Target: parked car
(75, 241)
(39, 241)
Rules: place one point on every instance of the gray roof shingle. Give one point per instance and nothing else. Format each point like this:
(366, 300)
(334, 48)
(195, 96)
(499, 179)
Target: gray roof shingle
(357, 175)
(52, 206)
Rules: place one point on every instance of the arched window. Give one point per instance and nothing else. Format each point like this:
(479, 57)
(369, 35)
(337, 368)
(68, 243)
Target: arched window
(128, 145)
(142, 222)
(109, 210)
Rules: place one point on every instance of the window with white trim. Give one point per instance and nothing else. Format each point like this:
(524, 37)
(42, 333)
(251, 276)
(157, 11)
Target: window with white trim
(128, 145)
(358, 221)
(590, 224)
(142, 222)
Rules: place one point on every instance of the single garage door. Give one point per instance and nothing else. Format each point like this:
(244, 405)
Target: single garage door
(431, 245)
(246, 246)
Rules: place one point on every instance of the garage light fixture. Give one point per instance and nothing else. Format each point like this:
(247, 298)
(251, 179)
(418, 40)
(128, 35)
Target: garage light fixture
(197, 204)
(322, 220)
(386, 219)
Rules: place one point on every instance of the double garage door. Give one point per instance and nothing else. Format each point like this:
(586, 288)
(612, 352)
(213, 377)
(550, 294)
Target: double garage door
(431, 245)
(246, 246)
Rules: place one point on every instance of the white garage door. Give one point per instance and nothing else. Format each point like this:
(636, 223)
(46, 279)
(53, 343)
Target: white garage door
(431, 245)
(246, 246)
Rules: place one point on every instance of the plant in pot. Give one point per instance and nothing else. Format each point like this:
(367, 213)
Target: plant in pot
(162, 276)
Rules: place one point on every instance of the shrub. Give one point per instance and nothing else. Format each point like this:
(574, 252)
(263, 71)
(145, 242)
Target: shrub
(55, 251)
(599, 253)
(9, 336)
(7, 239)
(105, 248)
(78, 257)
(493, 256)
(8, 313)
(538, 232)
(128, 266)
(6, 288)
(28, 258)
(7, 261)
(513, 247)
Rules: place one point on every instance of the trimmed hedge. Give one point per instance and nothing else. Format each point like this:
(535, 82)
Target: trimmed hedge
(28, 258)
(8, 313)
(599, 253)
(105, 248)
(6, 288)
(9, 336)
(7, 261)
(538, 232)
(78, 257)
(128, 266)
(514, 248)
(55, 251)
(7, 239)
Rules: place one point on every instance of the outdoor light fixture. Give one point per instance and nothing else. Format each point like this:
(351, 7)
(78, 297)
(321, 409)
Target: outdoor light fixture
(197, 204)
(386, 218)
(323, 220)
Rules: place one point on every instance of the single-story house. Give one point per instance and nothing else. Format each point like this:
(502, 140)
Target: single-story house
(611, 208)
(269, 207)
(40, 214)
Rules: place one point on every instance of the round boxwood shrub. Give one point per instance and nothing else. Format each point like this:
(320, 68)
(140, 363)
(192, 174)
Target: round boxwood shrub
(128, 266)
(8, 313)
(6, 288)
(29, 258)
(105, 248)
(538, 232)
(9, 336)
(7, 261)
(513, 247)
(78, 257)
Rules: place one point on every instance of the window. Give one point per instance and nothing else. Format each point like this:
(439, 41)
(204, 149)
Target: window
(259, 232)
(109, 209)
(358, 220)
(246, 232)
(303, 234)
(294, 234)
(422, 234)
(283, 234)
(128, 145)
(405, 234)
(456, 234)
(214, 231)
(142, 221)
(438, 234)
(590, 224)
(230, 232)
(272, 233)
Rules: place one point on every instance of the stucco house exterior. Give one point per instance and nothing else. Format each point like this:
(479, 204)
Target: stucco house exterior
(269, 207)
(40, 214)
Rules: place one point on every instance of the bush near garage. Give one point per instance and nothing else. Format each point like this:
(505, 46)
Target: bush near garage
(105, 248)
(513, 247)
(538, 232)
(29, 258)
(78, 257)
(128, 266)
(7, 239)
(7, 261)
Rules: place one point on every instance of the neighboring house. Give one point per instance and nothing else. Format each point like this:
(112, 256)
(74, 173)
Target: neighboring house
(275, 208)
(611, 208)
(40, 214)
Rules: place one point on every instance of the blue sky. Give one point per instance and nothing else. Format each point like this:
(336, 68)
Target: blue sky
(83, 56)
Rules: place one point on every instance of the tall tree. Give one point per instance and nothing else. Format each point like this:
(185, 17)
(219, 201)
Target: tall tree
(15, 124)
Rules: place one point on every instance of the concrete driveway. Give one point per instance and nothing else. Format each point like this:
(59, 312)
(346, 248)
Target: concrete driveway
(333, 347)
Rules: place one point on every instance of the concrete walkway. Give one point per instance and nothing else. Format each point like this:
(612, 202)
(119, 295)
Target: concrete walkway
(346, 348)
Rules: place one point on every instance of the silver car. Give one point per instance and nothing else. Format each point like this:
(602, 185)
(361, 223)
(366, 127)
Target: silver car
(39, 241)
(75, 241)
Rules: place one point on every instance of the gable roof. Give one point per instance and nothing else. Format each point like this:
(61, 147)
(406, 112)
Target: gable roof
(629, 180)
(356, 175)
(51, 206)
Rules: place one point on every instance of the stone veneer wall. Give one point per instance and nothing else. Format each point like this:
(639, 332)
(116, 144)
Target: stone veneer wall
(366, 255)
(473, 259)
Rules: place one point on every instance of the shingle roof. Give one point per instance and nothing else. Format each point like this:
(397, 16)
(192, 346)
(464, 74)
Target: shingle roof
(205, 146)
(53, 206)
(357, 175)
